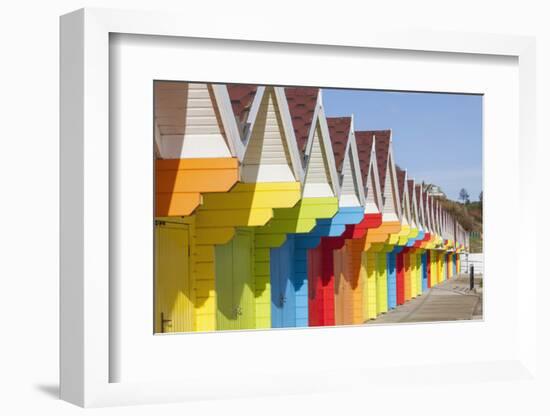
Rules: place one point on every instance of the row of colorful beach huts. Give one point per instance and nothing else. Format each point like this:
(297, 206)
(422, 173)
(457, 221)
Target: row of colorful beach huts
(270, 214)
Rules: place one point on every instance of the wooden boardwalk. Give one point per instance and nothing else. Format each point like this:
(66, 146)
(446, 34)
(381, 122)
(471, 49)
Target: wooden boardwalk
(450, 301)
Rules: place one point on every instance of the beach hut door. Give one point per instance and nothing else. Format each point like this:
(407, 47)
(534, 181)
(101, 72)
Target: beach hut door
(234, 282)
(173, 300)
(283, 296)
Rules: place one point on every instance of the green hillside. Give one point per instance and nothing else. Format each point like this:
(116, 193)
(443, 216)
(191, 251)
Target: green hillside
(470, 216)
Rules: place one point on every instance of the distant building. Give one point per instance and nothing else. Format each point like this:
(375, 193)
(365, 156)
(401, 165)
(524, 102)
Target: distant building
(434, 190)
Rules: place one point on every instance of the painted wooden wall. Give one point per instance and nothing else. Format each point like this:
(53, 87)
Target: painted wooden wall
(201, 239)
(349, 284)
(293, 312)
(283, 286)
(192, 147)
(236, 289)
(302, 218)
(381, 282)
(267, 157)
(368, 269)
(188, 122)
(180, 182)
(270, 251)
(174, 297)
(352, 282)
(392, 279)
(419, 286)
(322, 280)
(400, 281)
(428, 269)
(425, 271)
(292, 225)
(413, 274)
(246, 205)
(214, 224)
(434, 272)
(320, 287)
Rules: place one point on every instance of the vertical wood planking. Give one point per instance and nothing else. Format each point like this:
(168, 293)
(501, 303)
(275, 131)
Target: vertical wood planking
(317, 182)
(174, 295)
(392, 280)
(283, 291)
(321, 279)
(381, 283)
(368, 264)
(340, 287)
(414, 274)
(235, 282)
(407, 276)
(354, 250)
(400, 274)
(425, 271)
(267, 157)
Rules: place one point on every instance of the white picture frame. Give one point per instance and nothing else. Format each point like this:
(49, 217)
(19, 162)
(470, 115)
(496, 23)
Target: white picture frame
(86, 356)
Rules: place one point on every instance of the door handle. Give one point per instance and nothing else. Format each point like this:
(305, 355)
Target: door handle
(237, 311)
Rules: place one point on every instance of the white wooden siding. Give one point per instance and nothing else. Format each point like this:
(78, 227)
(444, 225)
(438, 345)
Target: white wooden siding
(267, 157)
(421, 211)
(317, 180)
(414, 211)
(371, 206)
(349, 192)
(429, 215)
(405, 213)
(390, 203)
(188, 122)
(416, 218)
(406, 210)
(434, 225)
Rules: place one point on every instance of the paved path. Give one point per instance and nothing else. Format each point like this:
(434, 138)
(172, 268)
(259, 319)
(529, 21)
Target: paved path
(451, 300)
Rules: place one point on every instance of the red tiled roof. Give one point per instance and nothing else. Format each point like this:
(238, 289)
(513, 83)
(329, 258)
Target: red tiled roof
(410, 187)
(364, 147)
(339, 128)
(400, 181)
(241, 96)
(382, 147)
(420, 197)
(301, 103)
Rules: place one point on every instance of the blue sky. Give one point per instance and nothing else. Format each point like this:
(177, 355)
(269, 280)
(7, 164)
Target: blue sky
(436, 137)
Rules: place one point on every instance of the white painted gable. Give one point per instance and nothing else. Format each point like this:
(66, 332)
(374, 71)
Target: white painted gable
(267, 157)
(405, 208)
(414, 211)
(371, 203)
(349, 191)
(432, 223)
(420, 210)
(391, 204)
(188, 123)
(317, 182)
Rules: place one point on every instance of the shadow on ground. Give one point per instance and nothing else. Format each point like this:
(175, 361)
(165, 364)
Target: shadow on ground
(51, 390)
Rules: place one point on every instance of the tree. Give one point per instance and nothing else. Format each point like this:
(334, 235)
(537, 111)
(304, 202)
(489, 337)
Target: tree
(464, 196)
